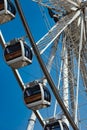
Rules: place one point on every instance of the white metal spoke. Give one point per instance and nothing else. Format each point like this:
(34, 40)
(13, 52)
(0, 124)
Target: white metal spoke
(78, 76)
(56, 30)
(55, 107)
(79, 1)
(57, 4)
(85, 31)
(73, 3)
(51, 59)
(31, 122)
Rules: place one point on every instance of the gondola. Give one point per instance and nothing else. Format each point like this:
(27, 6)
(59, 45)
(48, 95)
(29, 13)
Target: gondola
(18, 54)
(7, 11)
(56, 124)
(36, 96)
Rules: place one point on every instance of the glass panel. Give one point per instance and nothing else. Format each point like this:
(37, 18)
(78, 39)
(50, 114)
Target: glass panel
(28, 52)
(65, 127)
(1, 1)
(12, 48)
(57, 128)
(54, 126)
(11, 7)
(47, 95)
(1, 4)
(32, 91)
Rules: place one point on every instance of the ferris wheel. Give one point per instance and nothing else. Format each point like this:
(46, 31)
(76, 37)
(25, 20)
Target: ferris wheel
(61, 53)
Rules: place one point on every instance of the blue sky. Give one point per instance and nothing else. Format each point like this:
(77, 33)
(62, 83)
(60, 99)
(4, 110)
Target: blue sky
(14, 114)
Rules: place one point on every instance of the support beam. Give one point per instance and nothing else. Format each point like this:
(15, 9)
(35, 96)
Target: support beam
(32, 120)
(2, 41)
(73, 3)
(38, 115)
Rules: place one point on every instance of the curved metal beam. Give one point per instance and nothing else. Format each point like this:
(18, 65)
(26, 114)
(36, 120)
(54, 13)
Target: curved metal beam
(49, 79)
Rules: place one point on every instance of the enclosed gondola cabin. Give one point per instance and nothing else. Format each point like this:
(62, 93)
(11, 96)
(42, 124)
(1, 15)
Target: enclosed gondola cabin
(7, 11)
(36, 96)
(56, 125)
(18, 54)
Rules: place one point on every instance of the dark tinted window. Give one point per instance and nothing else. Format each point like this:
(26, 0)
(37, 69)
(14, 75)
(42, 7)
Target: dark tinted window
(47, 95)
(1, 5)
(11, 7)
(28, 52)
(32, 91)
(53, 126)
(65, 127)
(1, 1)
(12, 48)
